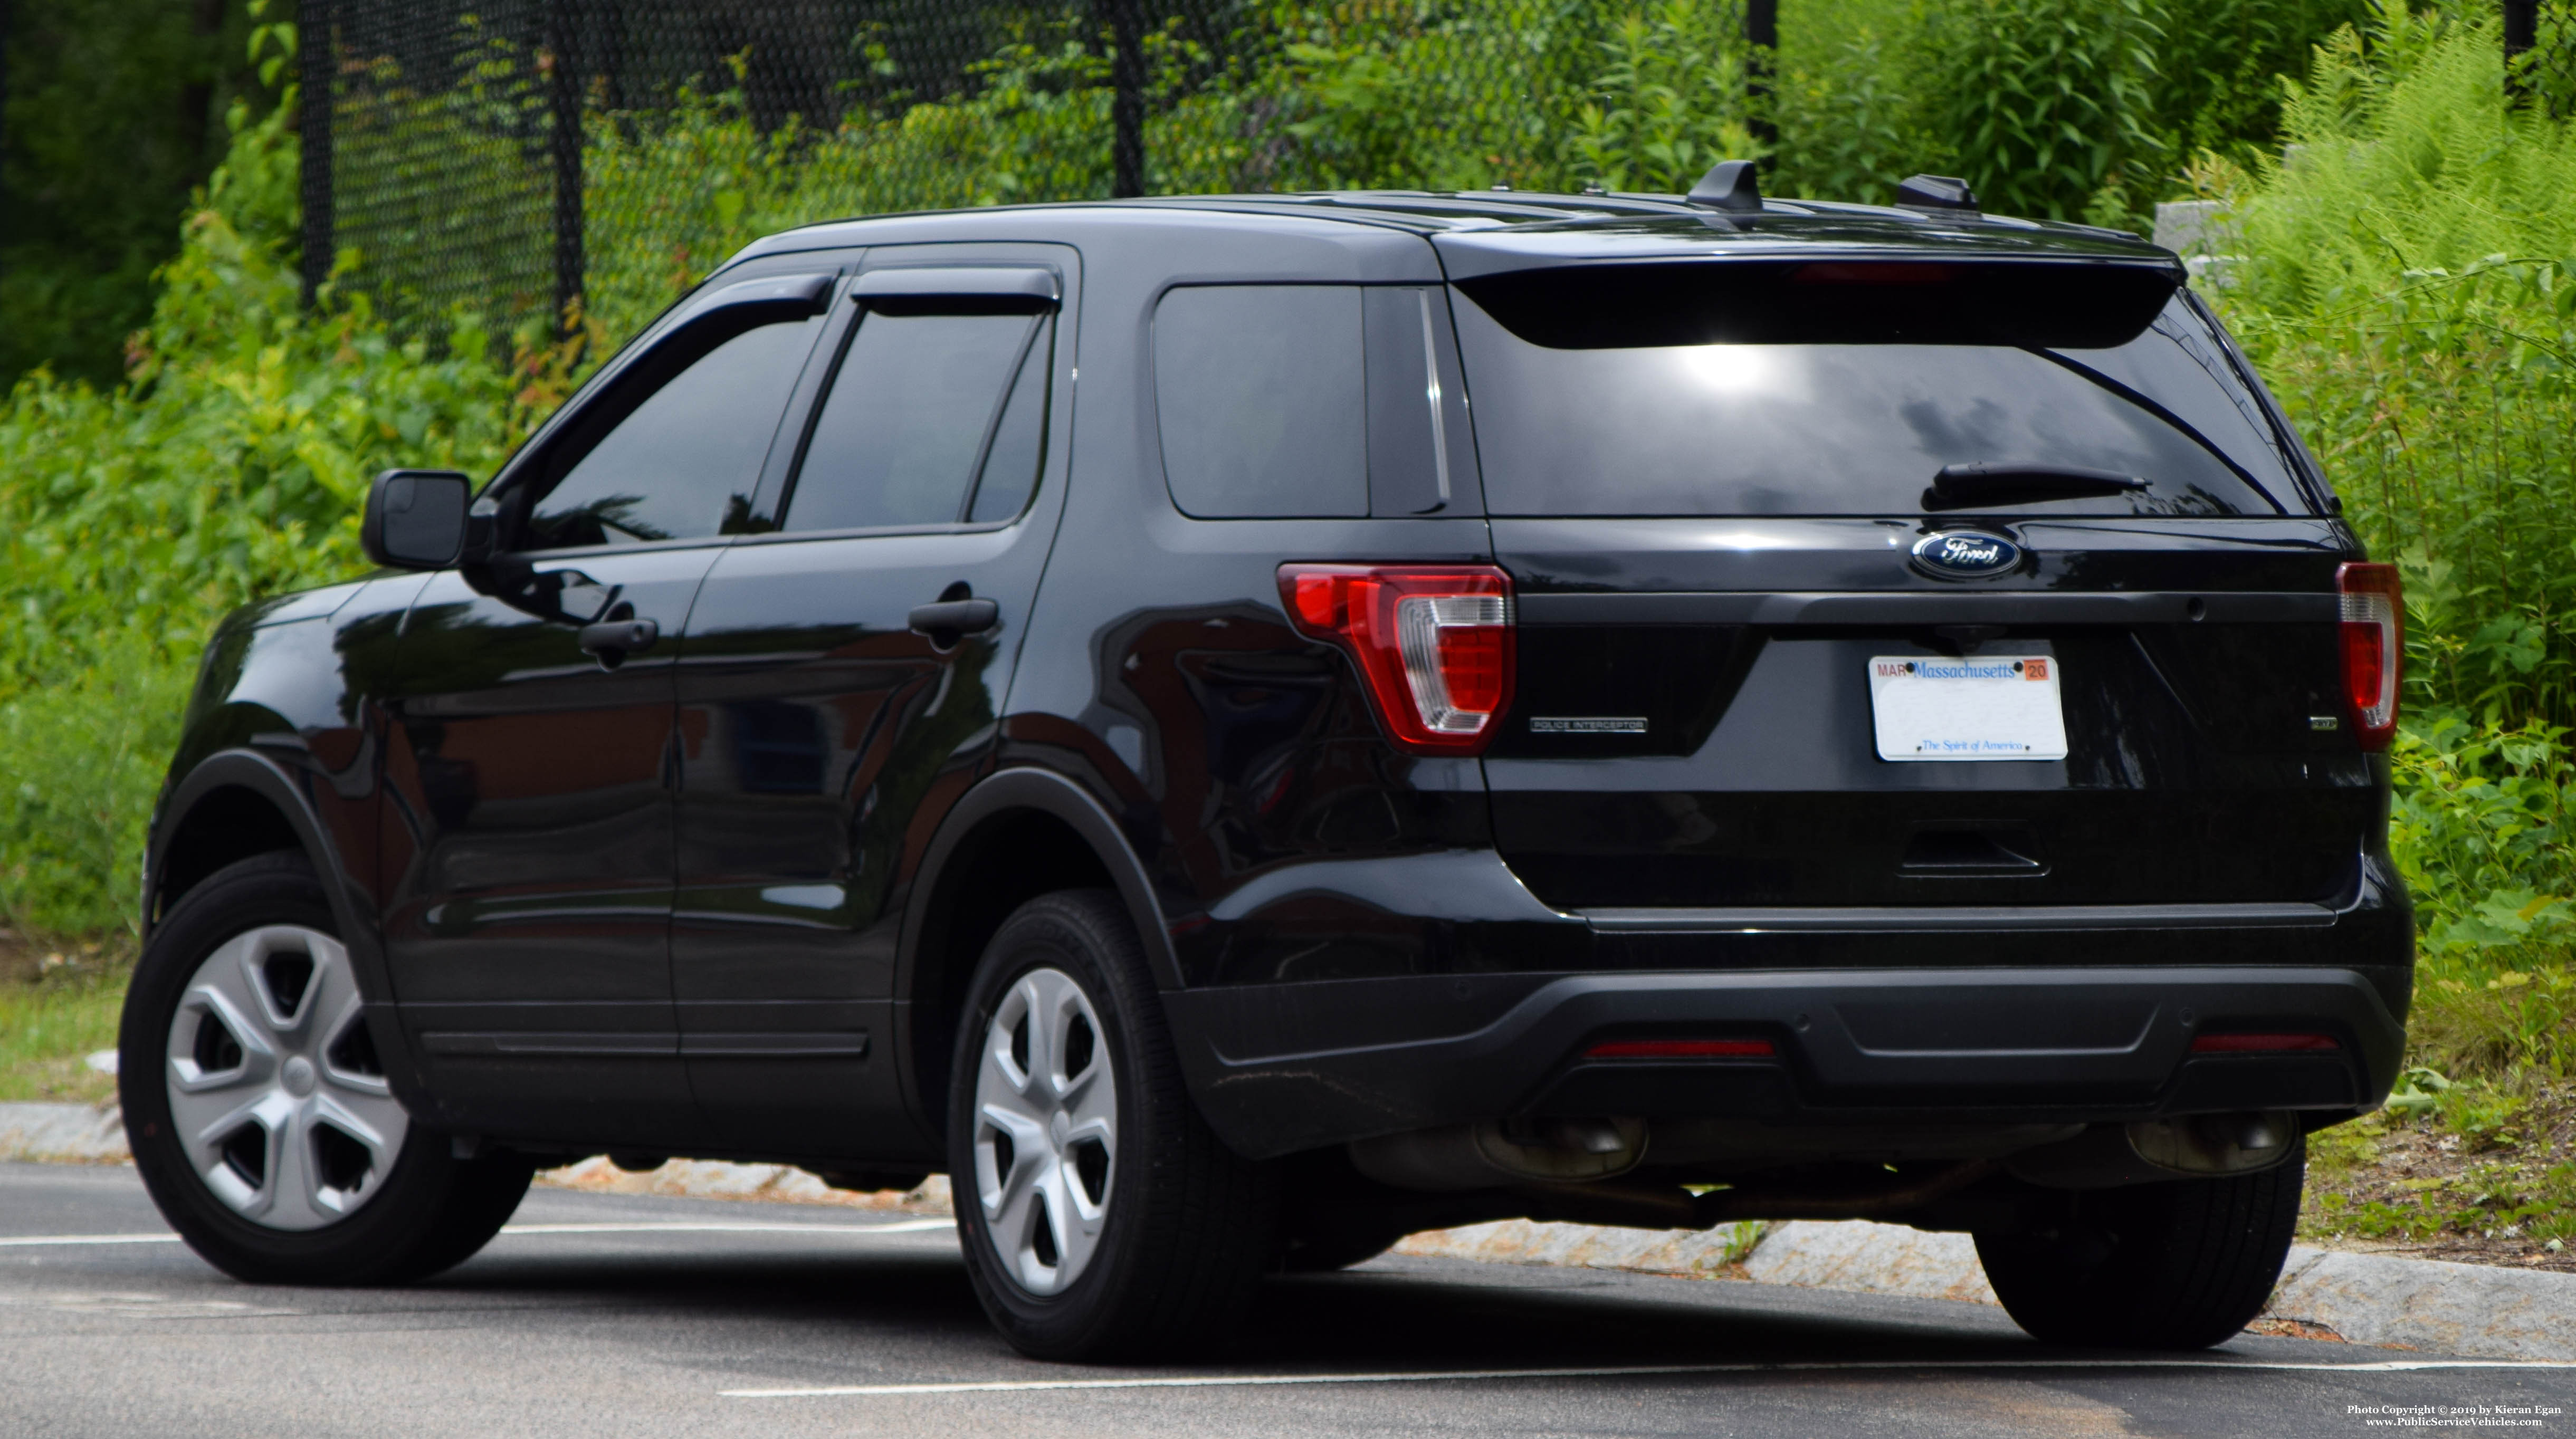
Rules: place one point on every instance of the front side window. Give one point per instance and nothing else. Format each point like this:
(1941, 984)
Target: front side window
(932, 419)
(685, 461)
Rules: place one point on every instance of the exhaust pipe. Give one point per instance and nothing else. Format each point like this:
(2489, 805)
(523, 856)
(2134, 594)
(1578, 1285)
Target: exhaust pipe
(1503, 1154)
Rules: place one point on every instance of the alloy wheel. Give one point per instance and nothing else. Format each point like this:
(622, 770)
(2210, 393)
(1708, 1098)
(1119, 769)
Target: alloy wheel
(1046, 1136)
(276, 1094)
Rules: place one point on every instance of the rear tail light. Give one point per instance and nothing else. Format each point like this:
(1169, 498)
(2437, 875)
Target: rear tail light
(2263, 1043)
(1434, 643)
(1683, 1049)
(2374, 639)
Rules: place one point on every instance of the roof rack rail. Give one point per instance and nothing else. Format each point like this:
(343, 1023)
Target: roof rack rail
(1936, 192)
(1728, 186)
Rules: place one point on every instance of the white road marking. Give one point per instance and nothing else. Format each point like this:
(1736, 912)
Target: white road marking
(147, 1306)
(1250, 1381)
(24, 1241)
(900, 1226)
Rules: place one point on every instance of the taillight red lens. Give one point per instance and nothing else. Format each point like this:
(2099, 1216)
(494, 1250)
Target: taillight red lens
(2374, 648)
(1434, 643)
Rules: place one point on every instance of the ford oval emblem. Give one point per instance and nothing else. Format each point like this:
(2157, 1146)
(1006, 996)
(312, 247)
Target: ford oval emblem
(1966, 554)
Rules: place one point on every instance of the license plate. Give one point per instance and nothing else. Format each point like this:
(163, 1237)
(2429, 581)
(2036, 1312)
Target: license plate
(1981, 707)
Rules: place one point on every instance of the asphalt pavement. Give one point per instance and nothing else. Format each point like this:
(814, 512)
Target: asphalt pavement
(638, 1316)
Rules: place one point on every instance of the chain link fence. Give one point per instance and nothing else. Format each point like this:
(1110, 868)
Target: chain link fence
(2540, 53)
(496, 154)
(534, 160)
(523, 157)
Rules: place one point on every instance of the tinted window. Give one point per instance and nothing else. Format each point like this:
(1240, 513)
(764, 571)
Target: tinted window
(1262, 398)
(1861, 428)
(911, 412)
(687, 457)
(1019, 439)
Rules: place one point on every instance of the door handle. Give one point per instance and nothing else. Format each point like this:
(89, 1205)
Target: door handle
(611, 641)
(950, 620)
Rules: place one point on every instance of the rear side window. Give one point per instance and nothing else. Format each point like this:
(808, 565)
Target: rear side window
(932, 419)
(688, 457)
(1684, 394)
(1262, 395)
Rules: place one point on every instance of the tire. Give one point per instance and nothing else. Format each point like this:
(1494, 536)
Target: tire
(2155, 1266)
(1099, 1215)
(257, 1113)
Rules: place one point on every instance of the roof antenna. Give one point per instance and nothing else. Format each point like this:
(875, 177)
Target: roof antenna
(1936, 192)
(1728, 186)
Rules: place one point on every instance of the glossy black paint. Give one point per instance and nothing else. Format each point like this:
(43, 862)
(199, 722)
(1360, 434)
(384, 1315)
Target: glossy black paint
(722, 899)
(281, 748)
(2195, 772)
(529, 829)
(821, 740)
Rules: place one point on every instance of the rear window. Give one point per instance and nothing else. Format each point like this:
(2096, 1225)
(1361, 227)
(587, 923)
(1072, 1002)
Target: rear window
(1846, 389)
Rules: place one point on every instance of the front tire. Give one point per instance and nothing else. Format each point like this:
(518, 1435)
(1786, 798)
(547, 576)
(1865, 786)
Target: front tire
(1099, 1216)
(260, 1120)
(2183, 1265)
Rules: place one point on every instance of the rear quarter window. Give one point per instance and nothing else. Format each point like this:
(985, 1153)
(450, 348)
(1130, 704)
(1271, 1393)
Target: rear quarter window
(1261, 398)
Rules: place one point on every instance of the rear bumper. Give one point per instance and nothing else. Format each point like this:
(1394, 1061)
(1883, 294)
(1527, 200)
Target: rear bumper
(1286, 1067)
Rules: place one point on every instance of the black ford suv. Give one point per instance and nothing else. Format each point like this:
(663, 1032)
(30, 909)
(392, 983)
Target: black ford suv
(1244, 727)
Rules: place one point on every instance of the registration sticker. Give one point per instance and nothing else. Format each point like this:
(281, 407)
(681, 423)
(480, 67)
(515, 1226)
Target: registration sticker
(1979, 707)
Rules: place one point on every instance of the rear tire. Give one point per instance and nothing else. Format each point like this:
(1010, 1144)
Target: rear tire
(261, 1126)
(2155, 1266)
(1116, 1224)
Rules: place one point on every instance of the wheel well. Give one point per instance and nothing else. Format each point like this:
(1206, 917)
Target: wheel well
(226, 825)
(1004, 862)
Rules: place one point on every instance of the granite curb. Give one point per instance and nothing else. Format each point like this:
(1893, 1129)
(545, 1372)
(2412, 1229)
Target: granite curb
(63, 1133)
(2466, 1309)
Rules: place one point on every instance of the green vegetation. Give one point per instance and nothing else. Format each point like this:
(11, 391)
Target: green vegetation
(2408, 287)
(114, 112)
(2451, 1165)
(227, 466)
(2404, 273)
(63, 1010)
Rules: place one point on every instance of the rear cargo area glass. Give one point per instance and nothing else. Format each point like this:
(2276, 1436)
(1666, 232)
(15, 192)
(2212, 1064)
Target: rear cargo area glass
(1570, 422)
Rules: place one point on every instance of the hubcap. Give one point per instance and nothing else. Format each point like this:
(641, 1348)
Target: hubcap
(1046, 1131)
(275, 1091)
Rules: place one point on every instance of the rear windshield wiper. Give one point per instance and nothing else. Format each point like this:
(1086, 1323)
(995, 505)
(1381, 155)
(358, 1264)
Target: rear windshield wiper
(2103, 381)
(1986, 483)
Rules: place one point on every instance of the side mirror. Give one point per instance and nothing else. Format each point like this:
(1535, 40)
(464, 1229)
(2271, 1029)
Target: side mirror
(416, 519)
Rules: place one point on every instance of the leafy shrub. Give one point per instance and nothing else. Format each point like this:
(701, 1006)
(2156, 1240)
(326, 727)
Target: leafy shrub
(2069, 109)
(2409, 289)
(228, 466)
(1847, 101)
(2481, 817)
(2044, 103)
(1670, 92)
(2407, 284)
(80, 761)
